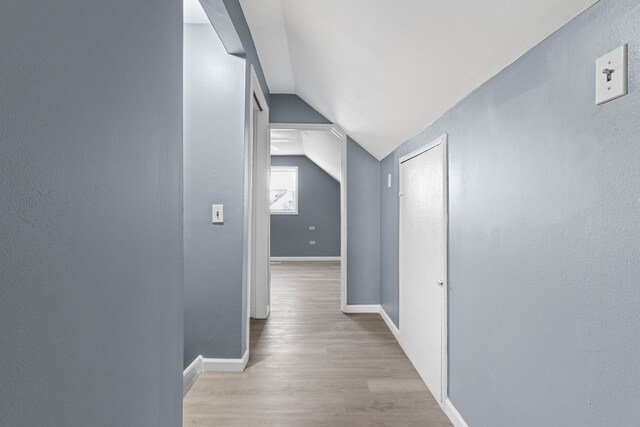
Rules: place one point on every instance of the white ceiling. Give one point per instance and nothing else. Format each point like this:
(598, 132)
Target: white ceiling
(193, 13)
(384, 70)
(321, 147)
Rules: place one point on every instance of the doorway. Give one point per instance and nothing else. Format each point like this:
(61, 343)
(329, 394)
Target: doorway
(307, 198)
(258, 296)
(423, 263)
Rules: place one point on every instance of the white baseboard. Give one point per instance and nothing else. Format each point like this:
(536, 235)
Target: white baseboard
(191, 374)
(361, 308)
(305, 258)
(454, 415)
(225, 365)
(390, 324)
(448, 408)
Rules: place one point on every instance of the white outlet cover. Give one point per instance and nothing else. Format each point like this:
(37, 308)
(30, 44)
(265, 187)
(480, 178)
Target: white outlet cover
(616, 62)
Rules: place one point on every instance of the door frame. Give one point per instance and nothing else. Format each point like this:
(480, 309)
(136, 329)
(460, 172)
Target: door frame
(257, 278)
(339, 133)
(443, 141)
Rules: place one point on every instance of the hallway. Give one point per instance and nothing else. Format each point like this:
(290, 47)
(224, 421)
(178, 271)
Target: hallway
(310, 364)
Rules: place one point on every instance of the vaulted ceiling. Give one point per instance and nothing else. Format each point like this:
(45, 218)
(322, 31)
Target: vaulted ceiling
(384, 70)
(321, 147)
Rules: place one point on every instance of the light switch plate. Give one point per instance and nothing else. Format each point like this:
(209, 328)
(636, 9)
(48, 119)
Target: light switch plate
(217, 214)
(388, 180)
(611, 75)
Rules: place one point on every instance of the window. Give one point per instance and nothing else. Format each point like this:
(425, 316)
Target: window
(283, 194)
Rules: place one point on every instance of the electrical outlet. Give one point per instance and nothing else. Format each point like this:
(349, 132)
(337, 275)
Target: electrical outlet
(312, 242)
(312, 227)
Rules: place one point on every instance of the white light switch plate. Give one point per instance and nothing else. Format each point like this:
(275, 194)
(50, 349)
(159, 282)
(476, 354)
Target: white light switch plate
(614, 65)
(217, 214)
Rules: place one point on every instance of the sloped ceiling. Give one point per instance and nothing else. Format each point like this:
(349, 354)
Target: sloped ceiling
(321, 147)
(193, 13)
(384, 70)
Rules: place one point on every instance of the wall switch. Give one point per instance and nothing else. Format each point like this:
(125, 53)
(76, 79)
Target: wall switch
(611, 75)
(312, 227)
(389, 181)
(312, 242)
(217, 213)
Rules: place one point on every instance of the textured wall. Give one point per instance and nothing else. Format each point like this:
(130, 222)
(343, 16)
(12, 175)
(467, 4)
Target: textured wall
(214, 156)
(90, 213)
(544, 230)
(318, 205)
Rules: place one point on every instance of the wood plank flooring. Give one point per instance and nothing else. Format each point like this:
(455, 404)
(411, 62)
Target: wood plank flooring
(310, 365)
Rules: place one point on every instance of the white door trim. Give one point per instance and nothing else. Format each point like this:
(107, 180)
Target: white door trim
(343, 195)
(441, 140)
(258, 236)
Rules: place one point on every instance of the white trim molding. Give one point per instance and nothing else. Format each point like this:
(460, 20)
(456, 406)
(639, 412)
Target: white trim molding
(392, 327)
(448, 408)
(454, 415)
(226, 365)
(343, 195)
(191, 374)
(305, 258)
(361, 308)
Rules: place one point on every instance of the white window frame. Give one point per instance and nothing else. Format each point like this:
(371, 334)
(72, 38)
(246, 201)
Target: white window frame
(295, 190)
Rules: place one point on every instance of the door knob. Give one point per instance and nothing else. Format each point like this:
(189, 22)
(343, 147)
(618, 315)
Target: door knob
(439, 283)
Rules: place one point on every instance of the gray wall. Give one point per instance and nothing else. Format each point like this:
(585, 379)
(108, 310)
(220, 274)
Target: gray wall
(363, 203)
(544, 231)
(214, 105)
(363, 222)
(236, 16)
(90, 213)
(288, 108)
(318, 205)
(389, 228)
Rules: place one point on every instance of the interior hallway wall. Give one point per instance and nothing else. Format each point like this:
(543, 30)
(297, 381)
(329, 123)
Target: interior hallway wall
(214, 159)
(318, 206)
(363, 203)
(221, 170)
(544, 230)
(91, 213)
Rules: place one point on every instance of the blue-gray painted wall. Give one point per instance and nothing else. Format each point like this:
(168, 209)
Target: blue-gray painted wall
(544, 230)
(289, 108)
(389, 241)
(236, 15)
(90, 213)
(214, 159)
(318, 205)
(363, 203)
(230, 26)
(363, 226)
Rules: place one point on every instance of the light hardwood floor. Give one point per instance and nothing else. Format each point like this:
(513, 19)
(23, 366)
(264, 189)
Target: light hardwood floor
(311, 364)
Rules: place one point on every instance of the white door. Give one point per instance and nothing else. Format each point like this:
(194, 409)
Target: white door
(422, 262)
